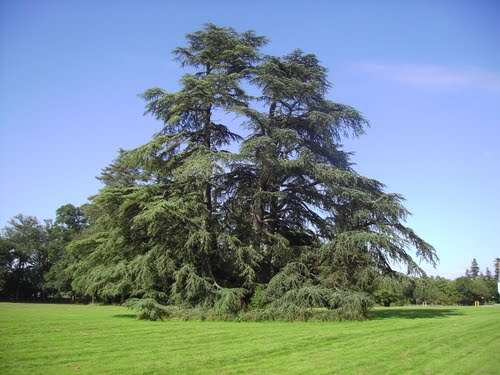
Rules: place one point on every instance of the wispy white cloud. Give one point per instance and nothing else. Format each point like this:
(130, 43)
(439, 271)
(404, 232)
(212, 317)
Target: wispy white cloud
(438, 76)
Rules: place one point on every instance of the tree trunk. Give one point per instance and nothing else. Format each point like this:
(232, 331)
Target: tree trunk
(207, 197)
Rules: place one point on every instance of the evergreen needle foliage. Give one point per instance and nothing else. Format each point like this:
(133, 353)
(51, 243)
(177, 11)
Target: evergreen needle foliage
(285, 223)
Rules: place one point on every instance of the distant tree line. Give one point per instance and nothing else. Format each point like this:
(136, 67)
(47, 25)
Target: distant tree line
(35, 261)
(283, 226)
(38, 263)
(465, 290)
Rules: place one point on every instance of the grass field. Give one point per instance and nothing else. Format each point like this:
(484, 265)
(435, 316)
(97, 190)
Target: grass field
(72, 339)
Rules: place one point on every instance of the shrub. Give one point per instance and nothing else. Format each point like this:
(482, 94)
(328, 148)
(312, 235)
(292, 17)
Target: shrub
(229, 301)
(258, 300)
(191, 289)
(351, 305)
(148, 308)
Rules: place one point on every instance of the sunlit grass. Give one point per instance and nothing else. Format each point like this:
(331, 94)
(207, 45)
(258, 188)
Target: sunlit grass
(72, 339)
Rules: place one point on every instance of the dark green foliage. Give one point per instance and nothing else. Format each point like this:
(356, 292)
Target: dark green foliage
(33, 257)
(351, 305)
(475, 289)
(474, 268)
(435, 290)
(25, 258)
(259, 299)
(296, 292)
(183, 220)
(497, 269)
(229, 301)
(285, 225)
(70, 218)
(148, 308)
(394, 289)
(192, 289)
(69, 224)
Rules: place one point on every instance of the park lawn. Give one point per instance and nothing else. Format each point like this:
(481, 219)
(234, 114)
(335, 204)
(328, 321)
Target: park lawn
(77, 339)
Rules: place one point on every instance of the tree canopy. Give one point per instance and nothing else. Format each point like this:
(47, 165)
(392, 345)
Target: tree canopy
(245, 193)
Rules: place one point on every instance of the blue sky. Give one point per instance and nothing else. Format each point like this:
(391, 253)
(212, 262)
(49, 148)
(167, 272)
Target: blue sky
(426, 74)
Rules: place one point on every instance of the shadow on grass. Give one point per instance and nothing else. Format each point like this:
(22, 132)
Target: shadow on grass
(129, 316)
(417, 313)
(394, 313)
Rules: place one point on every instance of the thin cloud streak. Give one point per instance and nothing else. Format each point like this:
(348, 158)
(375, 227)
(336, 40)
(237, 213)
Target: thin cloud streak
(433, 76)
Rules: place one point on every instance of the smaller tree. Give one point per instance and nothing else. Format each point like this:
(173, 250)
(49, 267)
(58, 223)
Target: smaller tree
(473, 289)
(25, 257)
(435, 290)
(6, 264)
(497, 268)
(70, 222)
(394, 289)
(474, 268)
(488, 273)
(71, 218)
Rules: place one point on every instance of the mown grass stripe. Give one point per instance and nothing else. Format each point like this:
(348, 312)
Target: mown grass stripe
(62, 339)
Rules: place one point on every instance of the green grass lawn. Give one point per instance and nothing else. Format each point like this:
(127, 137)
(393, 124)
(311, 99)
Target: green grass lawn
(72, 339)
